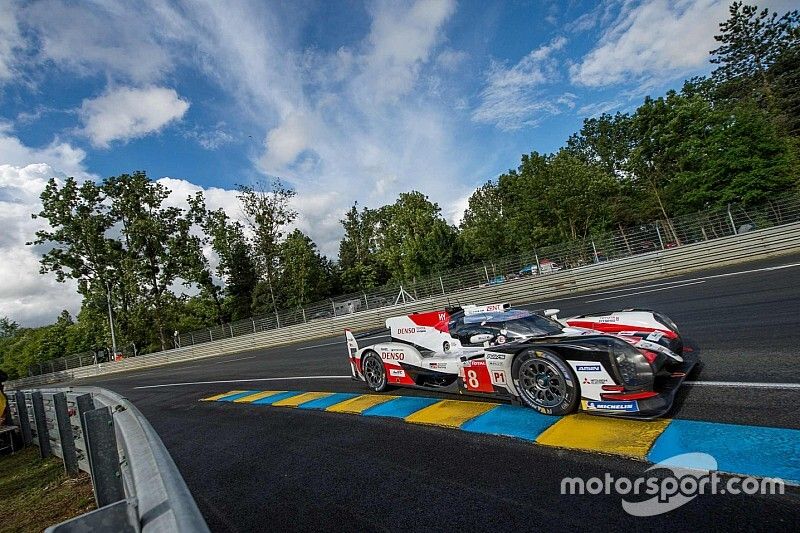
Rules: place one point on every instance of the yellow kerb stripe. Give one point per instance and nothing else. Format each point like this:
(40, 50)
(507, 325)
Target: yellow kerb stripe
(294, 401)
(218, 396)
(449, 413)
(359, 403)
(631, 438)
(257, 396)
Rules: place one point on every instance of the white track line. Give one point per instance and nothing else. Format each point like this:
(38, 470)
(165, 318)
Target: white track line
(288, 378)
(743, 385)
(340, 342)
(234, 360)
(643, 292)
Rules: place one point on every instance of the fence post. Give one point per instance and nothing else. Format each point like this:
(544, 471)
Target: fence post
(210, 334)
(253, 320)
(65, 437)
(304, 314)
(441, 284)
(230, 327)
(485, 271)
(366, 301)
(24, 419)
(730, 217)
(101, 445)
(594, 249)
(660, 240)
(538, 266)
(191, 336)
(42, 434)
(277, 318)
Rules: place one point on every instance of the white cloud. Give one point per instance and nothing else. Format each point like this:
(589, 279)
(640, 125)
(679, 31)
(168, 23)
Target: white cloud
(657, 39)
(126, 113)
(450, 59)
(58, 155)
(598, 108)
(511, 99)
(26, 296)
(10, 41)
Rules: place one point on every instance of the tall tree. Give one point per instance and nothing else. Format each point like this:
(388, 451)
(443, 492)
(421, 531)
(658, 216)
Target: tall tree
(360, 266)
(268, 214)
(304, 273)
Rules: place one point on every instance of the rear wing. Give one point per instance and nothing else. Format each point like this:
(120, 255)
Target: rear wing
(352, 348)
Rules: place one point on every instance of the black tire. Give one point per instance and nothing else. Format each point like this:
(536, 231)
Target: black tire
(374, 372)
(545, 382)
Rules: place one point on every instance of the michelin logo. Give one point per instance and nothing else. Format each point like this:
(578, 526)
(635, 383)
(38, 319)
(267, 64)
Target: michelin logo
(614, 406)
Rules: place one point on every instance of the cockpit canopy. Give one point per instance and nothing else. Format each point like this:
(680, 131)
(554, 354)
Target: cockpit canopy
(500, 327)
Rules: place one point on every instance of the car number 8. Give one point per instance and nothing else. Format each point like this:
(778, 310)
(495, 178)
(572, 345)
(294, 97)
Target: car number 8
(472, 379)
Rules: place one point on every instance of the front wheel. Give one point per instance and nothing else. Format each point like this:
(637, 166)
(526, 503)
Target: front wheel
(545, 382)
(374, 371)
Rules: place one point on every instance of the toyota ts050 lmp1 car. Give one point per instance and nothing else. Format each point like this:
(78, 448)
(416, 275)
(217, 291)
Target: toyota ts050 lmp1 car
(623, 363)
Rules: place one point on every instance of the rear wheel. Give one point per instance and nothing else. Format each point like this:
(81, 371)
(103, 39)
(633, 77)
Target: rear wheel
(545, 382)
(374, 371)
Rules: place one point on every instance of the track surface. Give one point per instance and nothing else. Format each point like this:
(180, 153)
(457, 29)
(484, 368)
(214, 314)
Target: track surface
(253, 467)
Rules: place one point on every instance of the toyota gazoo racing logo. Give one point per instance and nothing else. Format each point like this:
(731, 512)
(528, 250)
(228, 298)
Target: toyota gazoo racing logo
(393, 356)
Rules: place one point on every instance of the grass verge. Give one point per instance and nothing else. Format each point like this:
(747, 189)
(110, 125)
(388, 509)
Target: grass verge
(36, 493)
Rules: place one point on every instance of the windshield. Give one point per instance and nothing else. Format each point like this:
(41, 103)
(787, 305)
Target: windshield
(532, 326)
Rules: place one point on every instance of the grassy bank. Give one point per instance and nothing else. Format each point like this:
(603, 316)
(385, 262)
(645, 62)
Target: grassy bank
(35, 494)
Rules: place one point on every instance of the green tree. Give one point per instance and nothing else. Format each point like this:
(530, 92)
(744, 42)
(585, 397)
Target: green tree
(483, 230)
(304, 273)
(268, 214)
(360, 267)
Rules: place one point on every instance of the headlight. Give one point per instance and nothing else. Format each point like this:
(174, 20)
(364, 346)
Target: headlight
(633, 367)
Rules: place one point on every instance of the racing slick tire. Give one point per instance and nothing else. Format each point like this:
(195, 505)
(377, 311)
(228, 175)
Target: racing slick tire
(545, 382)
(374, 371)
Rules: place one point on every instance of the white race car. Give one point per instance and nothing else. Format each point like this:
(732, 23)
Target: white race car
(622, 363)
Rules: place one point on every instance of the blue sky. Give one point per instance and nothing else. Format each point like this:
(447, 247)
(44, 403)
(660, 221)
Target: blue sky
(343, 100)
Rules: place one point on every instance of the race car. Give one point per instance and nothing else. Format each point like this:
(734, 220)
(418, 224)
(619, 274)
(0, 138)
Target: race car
(627, 363)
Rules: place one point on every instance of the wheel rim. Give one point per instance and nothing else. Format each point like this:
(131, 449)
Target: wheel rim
(542, 383)
(373, 372)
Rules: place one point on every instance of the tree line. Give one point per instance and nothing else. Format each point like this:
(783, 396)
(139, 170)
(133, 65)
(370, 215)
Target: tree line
(733, 136)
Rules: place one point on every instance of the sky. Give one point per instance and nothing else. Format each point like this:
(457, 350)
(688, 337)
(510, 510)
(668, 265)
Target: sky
(343, 100)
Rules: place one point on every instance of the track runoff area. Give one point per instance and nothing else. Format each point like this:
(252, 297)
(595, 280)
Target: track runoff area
(283, 434)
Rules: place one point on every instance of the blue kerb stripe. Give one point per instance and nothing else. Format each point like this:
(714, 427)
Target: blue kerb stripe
(400, 407)
(748, 450)
(269, 400)
(324, 403)
(512, 421)
(236, 396)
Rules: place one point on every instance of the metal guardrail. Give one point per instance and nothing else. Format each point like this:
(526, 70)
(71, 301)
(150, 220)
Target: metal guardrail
(749, 246)
(136, 484)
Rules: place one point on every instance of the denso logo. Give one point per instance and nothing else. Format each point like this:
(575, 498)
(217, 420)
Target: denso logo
(394, 356)
(406, 331)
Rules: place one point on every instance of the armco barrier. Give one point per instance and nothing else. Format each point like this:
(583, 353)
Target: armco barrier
(136, 484)
(750, 246)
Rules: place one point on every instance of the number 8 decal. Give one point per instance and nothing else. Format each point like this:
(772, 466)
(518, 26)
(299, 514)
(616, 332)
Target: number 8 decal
(472, 379)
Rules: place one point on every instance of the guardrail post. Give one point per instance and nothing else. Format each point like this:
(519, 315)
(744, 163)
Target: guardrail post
(24, 420)
(101, 445)
(42, 434)
(84, 404)
(65, 436)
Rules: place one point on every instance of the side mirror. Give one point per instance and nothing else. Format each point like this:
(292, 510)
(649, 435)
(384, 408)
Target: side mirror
(552, 313)
(480, 338)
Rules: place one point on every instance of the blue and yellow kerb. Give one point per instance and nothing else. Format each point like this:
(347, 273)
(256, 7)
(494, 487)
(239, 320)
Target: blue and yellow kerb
(744, 450)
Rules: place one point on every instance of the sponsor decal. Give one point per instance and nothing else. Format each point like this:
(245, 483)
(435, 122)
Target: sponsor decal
(607, 319)
(406, 331)
(421, 329)
(437, 365)
(589, 368)
(630, 406)
(655, 336)
(477, 362)
(393, 356)
(394, 372)
(499, 356)
(595, 381)
(500, 339)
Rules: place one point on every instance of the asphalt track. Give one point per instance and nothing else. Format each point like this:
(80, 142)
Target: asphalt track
(254, 467)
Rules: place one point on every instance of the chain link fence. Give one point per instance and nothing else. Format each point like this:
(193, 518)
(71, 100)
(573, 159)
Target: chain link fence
(624, 242)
